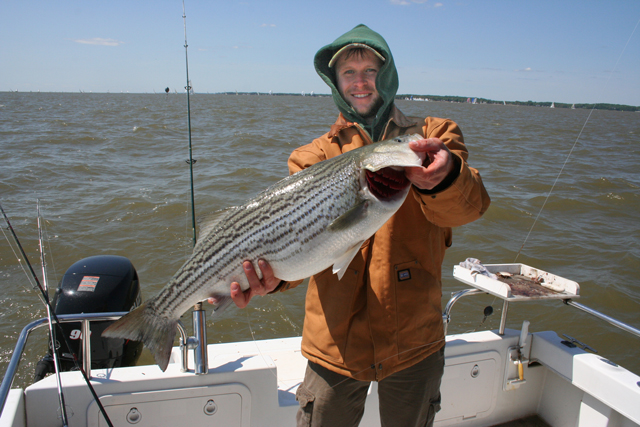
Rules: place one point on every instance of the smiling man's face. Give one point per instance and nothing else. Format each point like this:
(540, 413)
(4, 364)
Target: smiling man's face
(356, 78)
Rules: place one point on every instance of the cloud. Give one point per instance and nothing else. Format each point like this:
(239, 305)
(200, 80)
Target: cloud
(99, 41)
(268, 25)
(526, 70)
(437, 5)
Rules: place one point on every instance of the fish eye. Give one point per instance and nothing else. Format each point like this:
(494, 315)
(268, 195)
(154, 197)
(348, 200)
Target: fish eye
(397, 139)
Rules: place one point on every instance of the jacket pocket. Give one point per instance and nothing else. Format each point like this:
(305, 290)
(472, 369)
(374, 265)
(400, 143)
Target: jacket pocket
(419, 317)
(329, 318)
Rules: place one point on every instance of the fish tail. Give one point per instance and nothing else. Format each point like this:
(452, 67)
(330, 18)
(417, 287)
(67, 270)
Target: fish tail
(143, 324)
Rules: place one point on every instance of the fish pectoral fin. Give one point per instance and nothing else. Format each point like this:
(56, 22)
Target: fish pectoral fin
(350, 217)
(223, 301)
(341, 264)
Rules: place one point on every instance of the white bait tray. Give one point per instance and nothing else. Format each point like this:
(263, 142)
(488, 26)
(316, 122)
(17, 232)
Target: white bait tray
(519, 282)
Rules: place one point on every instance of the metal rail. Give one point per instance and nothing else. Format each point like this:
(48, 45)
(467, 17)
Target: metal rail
(446, 315)
(85, 319)
(604, 317)
(9, 375)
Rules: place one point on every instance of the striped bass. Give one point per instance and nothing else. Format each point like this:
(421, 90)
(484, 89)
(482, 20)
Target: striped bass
(301, 225)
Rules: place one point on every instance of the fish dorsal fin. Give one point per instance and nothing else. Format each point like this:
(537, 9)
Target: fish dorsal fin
(208, 222)
(341, 264)
(350, 217)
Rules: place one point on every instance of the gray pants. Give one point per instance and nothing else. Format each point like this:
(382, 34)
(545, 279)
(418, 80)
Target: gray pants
(409, 398)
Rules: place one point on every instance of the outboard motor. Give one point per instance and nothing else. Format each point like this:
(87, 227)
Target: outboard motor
(97, 284)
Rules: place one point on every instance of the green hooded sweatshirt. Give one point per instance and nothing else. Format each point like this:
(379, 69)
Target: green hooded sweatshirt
(386, 80)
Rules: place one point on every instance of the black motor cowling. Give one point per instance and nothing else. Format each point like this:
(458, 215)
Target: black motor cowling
(97, 284)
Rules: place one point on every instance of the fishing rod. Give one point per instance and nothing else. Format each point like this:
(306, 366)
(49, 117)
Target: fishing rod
(190, 161)
(199, 316)
(52, 331)
(53, 318)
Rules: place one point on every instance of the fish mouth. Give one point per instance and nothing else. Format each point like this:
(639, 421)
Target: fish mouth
(386, 182)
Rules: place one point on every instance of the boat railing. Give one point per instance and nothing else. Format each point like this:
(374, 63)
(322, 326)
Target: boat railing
(455, 297)
(85, 319)
(200, 340)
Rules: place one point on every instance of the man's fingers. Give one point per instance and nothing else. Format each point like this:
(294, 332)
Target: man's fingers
(430, 144)
(255, 284)
(268, 278)
(241, 299)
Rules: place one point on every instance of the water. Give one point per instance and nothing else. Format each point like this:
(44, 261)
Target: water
(110, 173)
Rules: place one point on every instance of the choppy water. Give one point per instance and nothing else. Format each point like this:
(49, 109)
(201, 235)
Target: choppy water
(111, 176)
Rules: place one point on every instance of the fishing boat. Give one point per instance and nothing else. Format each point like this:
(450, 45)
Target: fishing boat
(491, 377)
(510, 377)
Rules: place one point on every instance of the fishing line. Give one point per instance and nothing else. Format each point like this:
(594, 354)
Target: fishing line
(52, 318)
(48, 242)
(575, 143)
(21, 264)
(253, 336)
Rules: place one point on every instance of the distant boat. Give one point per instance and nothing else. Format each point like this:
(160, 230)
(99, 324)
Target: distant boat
(553, 105)
(573, 106)
(504, 102)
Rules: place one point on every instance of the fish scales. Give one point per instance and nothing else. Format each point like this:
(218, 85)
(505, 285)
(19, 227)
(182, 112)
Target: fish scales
(238, 237)
(301, 226)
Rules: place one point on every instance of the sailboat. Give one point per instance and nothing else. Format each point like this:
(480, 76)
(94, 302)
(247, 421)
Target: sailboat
(553, 105)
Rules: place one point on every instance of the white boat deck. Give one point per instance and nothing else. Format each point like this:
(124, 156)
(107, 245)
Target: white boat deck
(254, 384)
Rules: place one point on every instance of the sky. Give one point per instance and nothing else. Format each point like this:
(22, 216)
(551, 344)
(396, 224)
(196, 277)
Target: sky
(566, 51)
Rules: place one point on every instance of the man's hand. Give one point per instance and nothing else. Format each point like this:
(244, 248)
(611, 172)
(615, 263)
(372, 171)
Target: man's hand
(256, 286)
(438, 163)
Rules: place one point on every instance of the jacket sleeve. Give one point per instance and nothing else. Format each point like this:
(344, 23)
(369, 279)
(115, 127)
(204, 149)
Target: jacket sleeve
(305, 156)
(464, 199)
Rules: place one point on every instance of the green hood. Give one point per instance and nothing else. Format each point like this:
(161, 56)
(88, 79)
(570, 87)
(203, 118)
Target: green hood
(386, 81)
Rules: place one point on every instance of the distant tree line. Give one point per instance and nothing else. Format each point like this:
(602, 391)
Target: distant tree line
(599, 106)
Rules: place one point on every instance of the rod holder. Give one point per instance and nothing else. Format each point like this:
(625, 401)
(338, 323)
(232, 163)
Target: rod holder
(86, 347)
(503, 317)
(200, 358)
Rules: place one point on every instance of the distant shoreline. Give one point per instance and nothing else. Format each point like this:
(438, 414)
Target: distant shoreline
(408, 97)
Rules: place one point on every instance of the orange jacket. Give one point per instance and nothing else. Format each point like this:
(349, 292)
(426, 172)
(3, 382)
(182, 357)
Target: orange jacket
(385, 314)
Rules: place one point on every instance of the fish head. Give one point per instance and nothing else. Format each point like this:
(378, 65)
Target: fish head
(382, 168)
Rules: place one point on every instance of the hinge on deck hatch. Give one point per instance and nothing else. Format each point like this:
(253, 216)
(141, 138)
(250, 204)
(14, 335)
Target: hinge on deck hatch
(572, 343)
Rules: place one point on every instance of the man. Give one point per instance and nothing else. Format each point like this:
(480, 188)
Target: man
(383, 321)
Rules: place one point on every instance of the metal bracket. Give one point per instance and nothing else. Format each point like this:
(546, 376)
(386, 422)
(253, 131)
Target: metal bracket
(517, 356)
